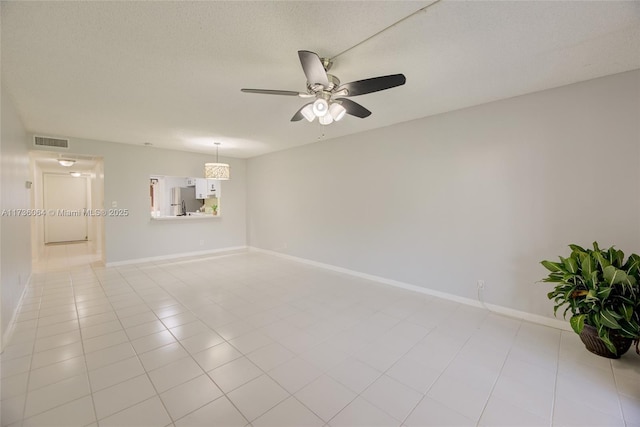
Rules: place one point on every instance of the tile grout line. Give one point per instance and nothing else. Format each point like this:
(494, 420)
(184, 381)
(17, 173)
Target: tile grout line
(188, 304)
(224, 394)
(35, 339)
(504, 362)
(245, 355)
(382, 372)
(58, 381)
(137, 356)
(44, 366)
(424, 395)
(68, 280)
(325, 372)
(177, 341)
(101, 366)
(555, 382)
(84, 354)
(615, 383)
(181, 345)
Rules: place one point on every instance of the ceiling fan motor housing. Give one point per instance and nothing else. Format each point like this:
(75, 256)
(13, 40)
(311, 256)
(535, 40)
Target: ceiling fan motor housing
(326, 63)
(315, 88)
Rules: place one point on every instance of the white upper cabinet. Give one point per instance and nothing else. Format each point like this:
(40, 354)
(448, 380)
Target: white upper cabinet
(206, 188)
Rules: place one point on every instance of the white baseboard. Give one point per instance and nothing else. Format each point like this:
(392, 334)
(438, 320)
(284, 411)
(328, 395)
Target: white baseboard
(175, 256)
(530, 317)
(8, 334)
(506, 311)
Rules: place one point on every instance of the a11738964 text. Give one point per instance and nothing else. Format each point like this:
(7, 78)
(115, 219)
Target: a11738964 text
(65, 212)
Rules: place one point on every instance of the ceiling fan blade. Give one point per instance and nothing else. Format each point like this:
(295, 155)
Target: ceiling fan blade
(298, 115)
(313, 68)
(354, 108)
(361, 87)
(273, 92)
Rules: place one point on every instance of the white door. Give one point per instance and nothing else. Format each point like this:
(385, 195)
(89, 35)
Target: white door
(65, 199)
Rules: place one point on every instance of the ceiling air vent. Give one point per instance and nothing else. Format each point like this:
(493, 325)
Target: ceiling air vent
(45, 141)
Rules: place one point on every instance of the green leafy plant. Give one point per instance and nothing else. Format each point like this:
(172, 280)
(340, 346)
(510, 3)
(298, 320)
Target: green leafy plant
(600, 289)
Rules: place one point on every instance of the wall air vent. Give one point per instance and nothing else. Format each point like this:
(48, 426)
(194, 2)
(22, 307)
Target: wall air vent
(45, 141)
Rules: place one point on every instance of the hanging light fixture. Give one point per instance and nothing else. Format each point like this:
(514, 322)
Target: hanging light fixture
(66, 162)
(327, 112)
(216, 170)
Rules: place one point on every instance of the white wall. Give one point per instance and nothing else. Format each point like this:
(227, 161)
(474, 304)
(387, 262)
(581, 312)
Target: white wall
(15, 237)
(481, 193)
(127, 169)
(96, 234)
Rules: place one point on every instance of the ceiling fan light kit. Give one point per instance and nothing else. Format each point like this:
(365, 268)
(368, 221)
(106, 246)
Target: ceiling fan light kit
(331, 102)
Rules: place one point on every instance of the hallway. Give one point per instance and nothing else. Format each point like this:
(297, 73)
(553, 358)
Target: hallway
(66, 257)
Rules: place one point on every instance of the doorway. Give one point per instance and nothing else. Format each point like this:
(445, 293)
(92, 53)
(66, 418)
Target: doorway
(66, 194)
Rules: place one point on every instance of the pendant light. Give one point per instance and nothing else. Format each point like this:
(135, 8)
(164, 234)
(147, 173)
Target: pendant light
(216, 170)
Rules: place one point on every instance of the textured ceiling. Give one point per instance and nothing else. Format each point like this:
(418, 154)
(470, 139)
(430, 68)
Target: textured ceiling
(170, 73)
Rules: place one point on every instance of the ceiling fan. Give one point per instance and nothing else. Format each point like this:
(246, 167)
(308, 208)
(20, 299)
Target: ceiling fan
(330, 102)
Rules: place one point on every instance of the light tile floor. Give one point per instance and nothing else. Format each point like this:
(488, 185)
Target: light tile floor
(252, 339)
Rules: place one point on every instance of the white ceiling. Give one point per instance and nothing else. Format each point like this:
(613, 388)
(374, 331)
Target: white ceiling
(170, 73)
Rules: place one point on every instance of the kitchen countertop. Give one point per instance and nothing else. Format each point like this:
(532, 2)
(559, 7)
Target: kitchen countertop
(189, 216)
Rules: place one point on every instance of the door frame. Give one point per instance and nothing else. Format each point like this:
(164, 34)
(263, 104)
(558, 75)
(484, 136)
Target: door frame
(41, 162)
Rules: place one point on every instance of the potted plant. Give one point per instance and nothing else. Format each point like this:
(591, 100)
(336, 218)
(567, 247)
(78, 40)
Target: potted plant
(600, 289)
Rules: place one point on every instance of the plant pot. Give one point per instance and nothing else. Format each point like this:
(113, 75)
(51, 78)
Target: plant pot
(595, 345)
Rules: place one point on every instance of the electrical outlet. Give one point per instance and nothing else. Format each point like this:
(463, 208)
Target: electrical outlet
(201, 242)
(481, 284)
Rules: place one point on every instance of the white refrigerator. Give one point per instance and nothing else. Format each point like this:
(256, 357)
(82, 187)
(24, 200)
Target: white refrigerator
(183, 200)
